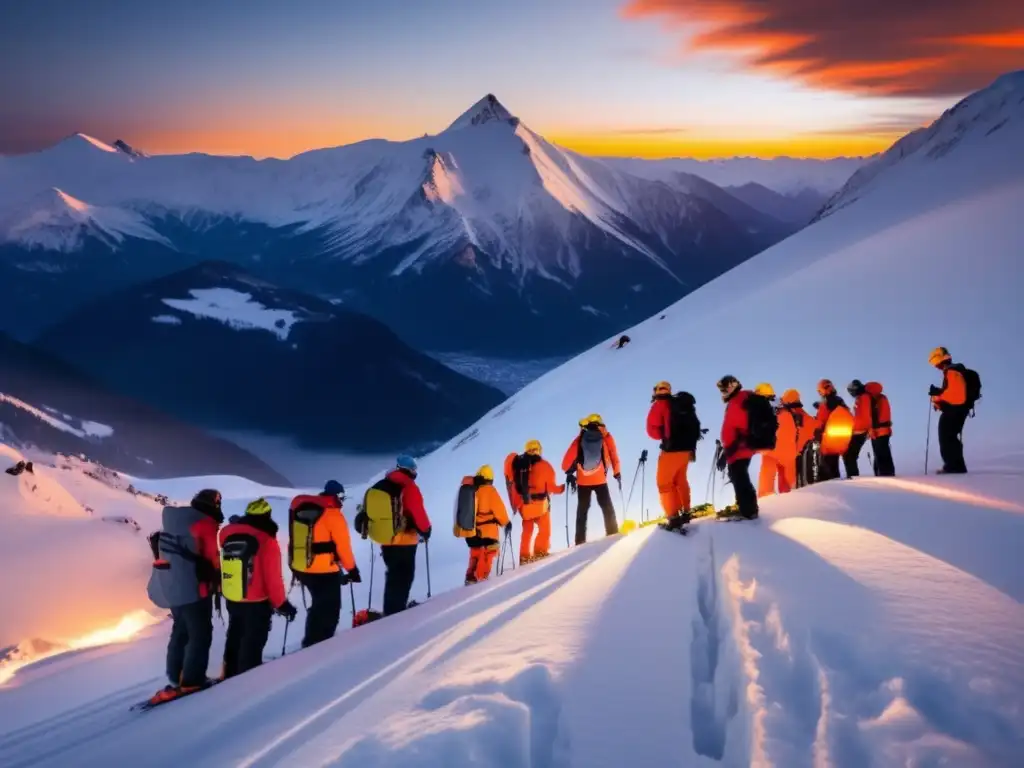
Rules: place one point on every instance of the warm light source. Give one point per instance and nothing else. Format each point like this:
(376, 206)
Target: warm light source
(838, 431)
(127, 628)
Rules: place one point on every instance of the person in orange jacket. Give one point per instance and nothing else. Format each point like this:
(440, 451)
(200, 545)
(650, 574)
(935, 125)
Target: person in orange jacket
(736, 454)
(331, 551)
(587, 462)
(672, 420)
(796, 431)
(881, 430)
(533, 481)
(769, 460)
(951, 400)
(861, 426)
(491, 519)
(255, 589)
(828, 464)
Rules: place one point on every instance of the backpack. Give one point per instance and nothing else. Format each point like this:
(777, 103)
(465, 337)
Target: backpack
(302, 550)
(521, 466)
(465, 511)
(382, 505)
(237, 560)
(590, 455)
(684, 426)
(762, 423)
(972, 382)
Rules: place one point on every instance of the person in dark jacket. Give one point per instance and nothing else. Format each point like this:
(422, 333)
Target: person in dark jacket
(736, 454)
(252, 586)
(185, 576)
(828, 461)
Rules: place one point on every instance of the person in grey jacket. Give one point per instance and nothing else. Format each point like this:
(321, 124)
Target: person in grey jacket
(185, 577)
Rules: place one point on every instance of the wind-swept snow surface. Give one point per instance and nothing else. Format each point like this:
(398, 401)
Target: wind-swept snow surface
(875, 622)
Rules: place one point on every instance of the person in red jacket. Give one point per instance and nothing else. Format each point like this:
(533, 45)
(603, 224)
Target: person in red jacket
(185, 576)
(252, 585)
(400, 555)
(861, 426)
(673, 422)
(736, 454)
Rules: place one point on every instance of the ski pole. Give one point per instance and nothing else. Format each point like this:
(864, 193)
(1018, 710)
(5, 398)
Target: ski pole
(643, 483)
(426, 548)
(369, 592)
(567, 521)
(632, 486)
(511, 550)
(928, 437)
(352, 596)
(284, 643)
(622, 498)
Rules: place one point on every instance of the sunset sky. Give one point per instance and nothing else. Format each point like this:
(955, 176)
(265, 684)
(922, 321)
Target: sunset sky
(630, 77)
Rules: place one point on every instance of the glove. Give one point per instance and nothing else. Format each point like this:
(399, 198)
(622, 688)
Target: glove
(426, 533)
(934, 391)
(570, 480)
(287, 610)
(618, 479)
(508, 528)
(720, 464)
(353, 577)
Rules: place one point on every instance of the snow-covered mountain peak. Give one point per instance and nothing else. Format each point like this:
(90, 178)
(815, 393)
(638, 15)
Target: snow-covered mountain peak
(487, 110)
(81, 141)
(56, 220)
(986, 129)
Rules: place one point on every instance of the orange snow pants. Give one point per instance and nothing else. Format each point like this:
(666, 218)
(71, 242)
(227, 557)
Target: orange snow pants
(787, 473)
(673, 487)
(481, 559)
(766, 479)
(527, 546)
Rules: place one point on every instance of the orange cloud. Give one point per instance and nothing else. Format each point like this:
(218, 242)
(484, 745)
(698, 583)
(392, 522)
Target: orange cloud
(880, 47)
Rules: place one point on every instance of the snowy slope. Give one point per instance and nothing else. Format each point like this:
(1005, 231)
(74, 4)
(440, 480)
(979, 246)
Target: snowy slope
(867, 622)
(846, 629)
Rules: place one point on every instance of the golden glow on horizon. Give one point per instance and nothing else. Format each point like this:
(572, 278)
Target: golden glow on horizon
(703, 148)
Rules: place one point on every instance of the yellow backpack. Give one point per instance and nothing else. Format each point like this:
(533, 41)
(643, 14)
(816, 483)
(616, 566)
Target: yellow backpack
(237, 560)
(382, 505)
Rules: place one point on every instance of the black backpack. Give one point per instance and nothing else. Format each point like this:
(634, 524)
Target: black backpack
(521, 466)
(762, 423)
(684, 426)
(973, 383)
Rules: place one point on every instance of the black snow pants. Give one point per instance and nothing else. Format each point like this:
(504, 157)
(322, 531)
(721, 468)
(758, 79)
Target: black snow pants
(883, 456)
(324, 605)
(604, 500)
(852, 455)
(743, 488)
(188, 650)
(828, 468)
(951, 447)
(400, 562)
(248, 630)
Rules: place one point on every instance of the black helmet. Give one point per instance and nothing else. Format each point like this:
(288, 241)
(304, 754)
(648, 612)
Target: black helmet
(855, 388)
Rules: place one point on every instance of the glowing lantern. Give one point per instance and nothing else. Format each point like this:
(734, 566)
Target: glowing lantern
(838, 431)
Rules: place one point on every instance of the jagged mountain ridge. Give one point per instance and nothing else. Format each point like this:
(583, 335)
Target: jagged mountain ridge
(487, 213)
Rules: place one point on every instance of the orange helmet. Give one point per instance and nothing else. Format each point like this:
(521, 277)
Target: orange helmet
(790, 396)
(826, 387)
(939, 356)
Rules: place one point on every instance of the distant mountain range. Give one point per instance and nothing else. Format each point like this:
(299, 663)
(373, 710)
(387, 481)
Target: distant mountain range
(228, 351)
(48, 404)
(483, 238)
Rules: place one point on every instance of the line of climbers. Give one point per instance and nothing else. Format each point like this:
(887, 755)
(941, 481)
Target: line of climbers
(798, 448)
(196, 563)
